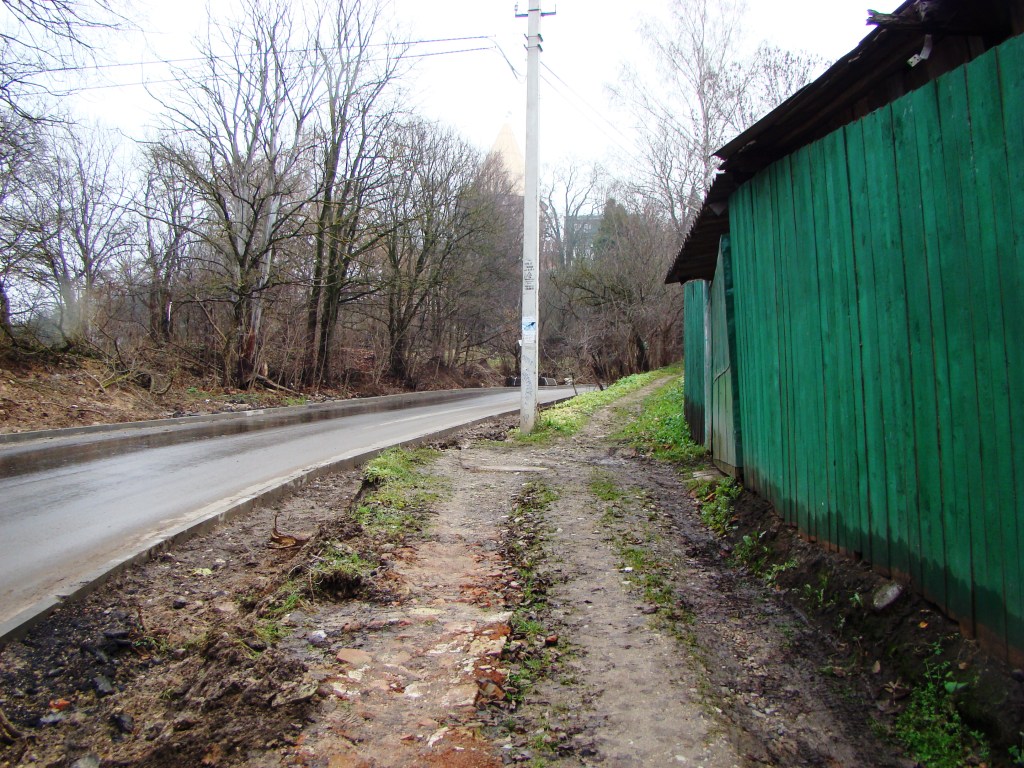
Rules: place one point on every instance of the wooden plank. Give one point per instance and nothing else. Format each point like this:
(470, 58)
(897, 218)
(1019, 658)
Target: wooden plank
(749, 335)
(866, 297)
(782, 172)
(960, 343)
(851, 434)
(776, 364)
(1011, 81)
(823, 157)
(812, 448)
(933, 190)
(896, 451)
(912, 116)
(991, 191)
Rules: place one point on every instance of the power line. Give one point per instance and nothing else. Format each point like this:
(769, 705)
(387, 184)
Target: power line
(220, 57)
(569, 94)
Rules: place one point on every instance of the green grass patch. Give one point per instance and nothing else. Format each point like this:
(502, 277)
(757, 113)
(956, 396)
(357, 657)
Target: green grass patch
(660, 429)
(566, 419)
(603, 486)
(716, 497)
(931, 727)
(401, 494)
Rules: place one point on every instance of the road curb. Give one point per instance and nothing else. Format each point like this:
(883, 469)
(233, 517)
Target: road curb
(29, 451)
(212, 516)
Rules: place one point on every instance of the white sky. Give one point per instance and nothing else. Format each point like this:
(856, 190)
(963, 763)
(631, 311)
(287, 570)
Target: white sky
(585, 46)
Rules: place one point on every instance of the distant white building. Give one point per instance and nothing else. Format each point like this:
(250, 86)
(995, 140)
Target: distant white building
(506, 146)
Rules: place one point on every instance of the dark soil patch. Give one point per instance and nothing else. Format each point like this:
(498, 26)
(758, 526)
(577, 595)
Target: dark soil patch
(169, 664)
(882, 637)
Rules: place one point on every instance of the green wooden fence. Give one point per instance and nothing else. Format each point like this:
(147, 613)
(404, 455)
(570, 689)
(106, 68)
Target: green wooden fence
(695, 374)
(879, 306)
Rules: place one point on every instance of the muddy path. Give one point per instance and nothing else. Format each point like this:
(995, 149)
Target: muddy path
(557, 604)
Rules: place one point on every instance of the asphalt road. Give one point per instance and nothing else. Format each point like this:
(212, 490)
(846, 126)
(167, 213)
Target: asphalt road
(62, 526)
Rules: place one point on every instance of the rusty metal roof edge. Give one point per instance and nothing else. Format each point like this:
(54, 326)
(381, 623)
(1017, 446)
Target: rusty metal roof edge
(722, 187)
(751, 134)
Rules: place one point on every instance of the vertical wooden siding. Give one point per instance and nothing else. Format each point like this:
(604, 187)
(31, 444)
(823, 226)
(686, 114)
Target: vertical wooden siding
(879, 303)
(726, 448)
(695, 302)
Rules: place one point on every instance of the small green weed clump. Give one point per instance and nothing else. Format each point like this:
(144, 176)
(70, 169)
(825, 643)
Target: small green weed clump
(931, 727)
(569, 417)
(660, 430)
(716, 498)
(754, 555)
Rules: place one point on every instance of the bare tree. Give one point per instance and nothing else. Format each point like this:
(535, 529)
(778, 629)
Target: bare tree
(350, 136)
(705, 93)
(21, 141)
(42, 37)
(432, 215)
(74, 209)
(617, 298)
(572, 204)
(169, 213)
(237, 136)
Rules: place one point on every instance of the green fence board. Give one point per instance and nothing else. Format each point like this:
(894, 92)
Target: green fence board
(937, 456)
(852, 497)
(695, 297)
(824, 290)
(957, 276)
(1011, 81)
(992, 208)
(922, 475)
(891, 308)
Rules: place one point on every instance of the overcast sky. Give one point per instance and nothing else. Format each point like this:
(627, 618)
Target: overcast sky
(585, 45)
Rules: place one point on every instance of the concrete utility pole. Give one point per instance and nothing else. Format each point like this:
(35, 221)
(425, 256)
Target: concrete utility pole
(530, 352)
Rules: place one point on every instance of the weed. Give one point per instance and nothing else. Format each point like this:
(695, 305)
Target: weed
(931, 727)
(604, 487)
(716, 498)
(286, 599)
(817, 594)
(751, 553)
(524, 547)
(754, 556)
(1016, 752)
(339, 571)
(269, 630)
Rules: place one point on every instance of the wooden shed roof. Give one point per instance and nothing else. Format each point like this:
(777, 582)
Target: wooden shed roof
(875, 73)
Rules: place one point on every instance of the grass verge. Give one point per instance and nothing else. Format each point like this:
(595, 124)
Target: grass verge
(568, 418)
(648, 574)
(396, 500)
(660, 428)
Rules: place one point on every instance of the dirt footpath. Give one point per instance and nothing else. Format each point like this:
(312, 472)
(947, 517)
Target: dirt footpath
(563, 606)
